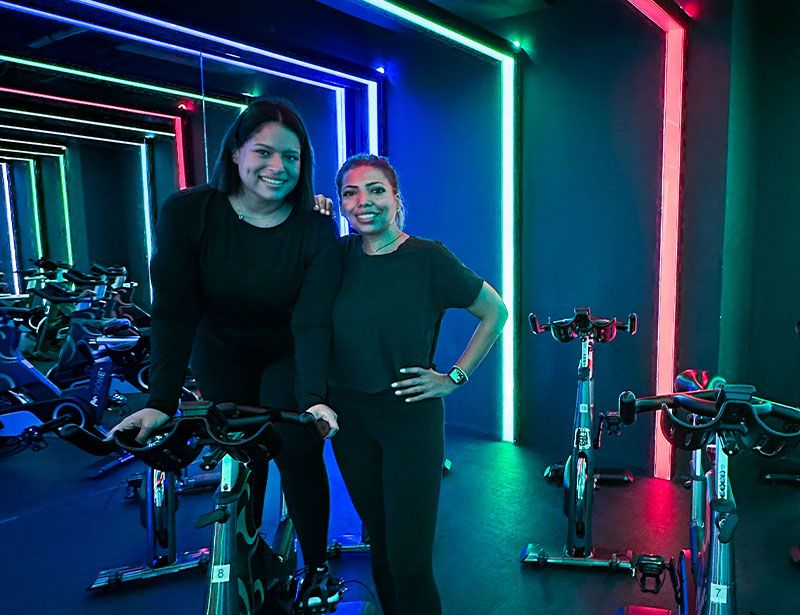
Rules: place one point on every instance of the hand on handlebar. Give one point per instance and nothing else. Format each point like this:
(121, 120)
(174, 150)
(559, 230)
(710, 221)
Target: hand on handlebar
(146, 420)
(321, 412)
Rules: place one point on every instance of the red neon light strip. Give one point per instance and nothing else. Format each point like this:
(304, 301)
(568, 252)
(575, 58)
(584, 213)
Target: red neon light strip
(177, 121)
(670, 215)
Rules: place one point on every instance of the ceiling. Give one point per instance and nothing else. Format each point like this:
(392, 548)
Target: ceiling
(481, 11)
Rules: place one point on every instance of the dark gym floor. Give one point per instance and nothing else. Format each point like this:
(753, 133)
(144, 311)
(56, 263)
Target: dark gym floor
(58, 528)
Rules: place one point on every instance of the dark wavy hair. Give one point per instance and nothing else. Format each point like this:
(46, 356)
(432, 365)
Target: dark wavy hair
(225, 176)
(382, 164)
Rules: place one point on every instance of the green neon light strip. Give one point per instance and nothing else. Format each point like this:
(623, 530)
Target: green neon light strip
(22, 151)
(68, 134)
(2, 157)
(508, 70)
(36, 143)
(65, 118)
(65, 201)
(35, 199)
(126, 82)
(439, 29)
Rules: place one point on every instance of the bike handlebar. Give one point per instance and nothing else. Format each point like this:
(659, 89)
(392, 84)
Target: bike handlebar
(689, 419)
(243, 432)
(583, 323)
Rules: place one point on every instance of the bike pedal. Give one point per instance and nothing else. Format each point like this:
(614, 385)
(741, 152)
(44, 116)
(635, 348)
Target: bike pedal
(650, 572)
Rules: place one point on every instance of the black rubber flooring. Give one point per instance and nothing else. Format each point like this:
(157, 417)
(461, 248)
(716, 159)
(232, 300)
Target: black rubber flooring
(58, 528)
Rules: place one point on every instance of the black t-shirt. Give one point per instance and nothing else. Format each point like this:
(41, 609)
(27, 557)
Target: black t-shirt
(265, 293)
(389, 309)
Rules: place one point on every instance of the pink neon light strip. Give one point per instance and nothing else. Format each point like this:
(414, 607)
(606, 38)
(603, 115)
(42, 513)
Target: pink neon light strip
(176, 120)
(670, 215)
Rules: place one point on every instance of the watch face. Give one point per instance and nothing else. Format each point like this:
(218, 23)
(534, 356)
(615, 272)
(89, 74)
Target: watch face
(457, 376)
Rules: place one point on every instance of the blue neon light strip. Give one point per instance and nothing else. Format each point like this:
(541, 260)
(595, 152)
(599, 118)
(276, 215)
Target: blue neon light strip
(148, 232)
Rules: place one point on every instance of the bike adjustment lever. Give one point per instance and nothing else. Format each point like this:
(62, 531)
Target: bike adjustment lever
(218, 515)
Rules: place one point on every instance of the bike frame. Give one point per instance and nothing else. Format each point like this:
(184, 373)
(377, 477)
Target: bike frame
(712, 558)
(240, 557)
(579, 474)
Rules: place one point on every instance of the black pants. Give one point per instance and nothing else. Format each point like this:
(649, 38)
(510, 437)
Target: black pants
(226, 376)
(390, 454)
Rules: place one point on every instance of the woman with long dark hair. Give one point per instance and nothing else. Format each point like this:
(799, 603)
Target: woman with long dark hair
(244, 276)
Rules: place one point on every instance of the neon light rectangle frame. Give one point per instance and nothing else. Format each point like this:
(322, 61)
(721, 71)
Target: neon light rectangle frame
(371, 85)
(176, 120)
(669, 233)
(508, 196)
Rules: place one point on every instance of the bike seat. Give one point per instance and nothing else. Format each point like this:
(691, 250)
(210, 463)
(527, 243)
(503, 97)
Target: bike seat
(49, 265)
(14, 312)
(112, 271)
(82, 279)
(56, 293)
(121, 327)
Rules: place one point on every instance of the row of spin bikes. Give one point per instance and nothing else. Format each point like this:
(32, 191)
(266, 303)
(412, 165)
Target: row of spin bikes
(711, 418)
(98, 338)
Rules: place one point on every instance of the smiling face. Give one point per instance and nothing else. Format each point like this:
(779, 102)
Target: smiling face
(269, 163)
(369, 201)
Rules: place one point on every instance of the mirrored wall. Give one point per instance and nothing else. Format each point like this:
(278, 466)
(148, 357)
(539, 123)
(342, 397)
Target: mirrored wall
(102, 118)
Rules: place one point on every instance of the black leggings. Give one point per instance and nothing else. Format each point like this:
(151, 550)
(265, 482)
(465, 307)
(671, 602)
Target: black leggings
(224, 376)
(390, 454)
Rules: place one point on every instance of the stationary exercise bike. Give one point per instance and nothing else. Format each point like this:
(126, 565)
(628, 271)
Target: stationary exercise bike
(721, 422)
(246, 575)
(32, 406)
(579, 472)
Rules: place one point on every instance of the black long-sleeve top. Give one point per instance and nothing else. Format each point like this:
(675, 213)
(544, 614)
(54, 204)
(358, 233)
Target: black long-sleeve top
(264, 292)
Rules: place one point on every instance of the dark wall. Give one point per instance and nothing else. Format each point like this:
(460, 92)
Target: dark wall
(593, 92)
(774, 350)
(53, 207)
(704, 186)
(590, 196)
(23, 199)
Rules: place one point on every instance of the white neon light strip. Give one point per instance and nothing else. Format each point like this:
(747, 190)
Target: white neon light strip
(59, 133)
(508, 69)
(76, 120)
(21, 151)
(11, 243)
(36, 143)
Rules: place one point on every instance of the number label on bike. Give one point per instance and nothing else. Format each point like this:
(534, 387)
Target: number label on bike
(221, 574)
(719, 593)
(583, 439)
